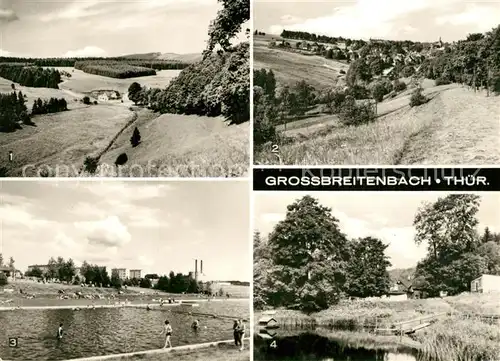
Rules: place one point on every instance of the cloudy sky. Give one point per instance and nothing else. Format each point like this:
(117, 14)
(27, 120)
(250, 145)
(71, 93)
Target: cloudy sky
(153, 226)
(386, 216)
(54, 28)
(418, 20)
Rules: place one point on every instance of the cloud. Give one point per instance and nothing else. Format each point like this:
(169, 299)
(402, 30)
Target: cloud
(109, 232)
(376, 18)
(8, 15)
(85, 52)
(290, 19)
(75, 10)
(5, 53)
(481, 16)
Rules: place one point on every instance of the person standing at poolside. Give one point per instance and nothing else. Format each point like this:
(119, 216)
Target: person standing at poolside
(241, 331)
(167, 329)
(236, 333)
(60, 331)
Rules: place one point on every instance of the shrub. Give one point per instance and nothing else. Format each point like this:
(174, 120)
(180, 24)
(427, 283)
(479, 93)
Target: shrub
(121, 159)
(86, 100)
(442, 81)
(417, 98)
(378, 92)
(342, 71)
(3, 279)
(135, 139)
(359, 92)
(356, 114)
(399, 85)
(90, 164)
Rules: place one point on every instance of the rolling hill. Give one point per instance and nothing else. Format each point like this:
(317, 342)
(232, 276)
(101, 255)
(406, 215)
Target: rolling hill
(185, 58)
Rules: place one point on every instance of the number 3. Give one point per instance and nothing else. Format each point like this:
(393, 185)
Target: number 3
(273, 344)
(13, 342)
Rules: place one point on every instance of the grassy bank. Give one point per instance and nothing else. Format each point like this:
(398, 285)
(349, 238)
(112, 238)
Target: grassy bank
(385, 313)
(460, 334)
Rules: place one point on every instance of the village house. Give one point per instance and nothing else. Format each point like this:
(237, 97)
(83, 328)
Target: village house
(103, 97)
(485, 284)
(11, 273)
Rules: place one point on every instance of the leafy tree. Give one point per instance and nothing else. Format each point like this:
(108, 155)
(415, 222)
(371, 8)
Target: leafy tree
(3, 279)
(36, 272)
(116, 282)
(12, 263)
(448, 227)
(367, 268)
(378, 92)
(136, 138)
(145, 283)
(134, 91)
(227, 23)
(418, 98)
(86, 100)
(309, 258)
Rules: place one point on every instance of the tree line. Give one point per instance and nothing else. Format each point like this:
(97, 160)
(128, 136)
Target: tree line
(53, 105)
(11, 264)
(70, 62)
(308, 263)
(30, 76)
(13, 111)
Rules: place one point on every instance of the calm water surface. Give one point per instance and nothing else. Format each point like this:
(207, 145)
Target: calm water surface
(311, 346)
(106, 331)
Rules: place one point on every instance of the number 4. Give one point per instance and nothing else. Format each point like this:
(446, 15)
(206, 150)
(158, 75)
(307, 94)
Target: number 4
(273, 344)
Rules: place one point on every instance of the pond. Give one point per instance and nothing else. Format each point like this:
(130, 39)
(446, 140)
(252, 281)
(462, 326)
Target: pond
(301, 346)
(92, 332)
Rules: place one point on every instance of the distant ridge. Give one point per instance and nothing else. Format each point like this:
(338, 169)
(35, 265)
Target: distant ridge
(185, 58)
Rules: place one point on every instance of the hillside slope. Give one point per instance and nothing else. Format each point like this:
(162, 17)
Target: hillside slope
(180, 145)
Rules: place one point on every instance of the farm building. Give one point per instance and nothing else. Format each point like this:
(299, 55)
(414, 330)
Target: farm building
(103, 97)
(10, 273)
(485, 284)
(401, 291)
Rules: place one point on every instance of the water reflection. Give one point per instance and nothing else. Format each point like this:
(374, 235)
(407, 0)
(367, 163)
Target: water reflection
(298, 346)
(91, 332)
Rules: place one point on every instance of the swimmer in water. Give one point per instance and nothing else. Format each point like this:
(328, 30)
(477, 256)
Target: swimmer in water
(196, 325)
(60, 331)
(167, 329)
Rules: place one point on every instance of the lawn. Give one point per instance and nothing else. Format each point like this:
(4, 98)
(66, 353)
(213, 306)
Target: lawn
(182, 146)
(62, 139)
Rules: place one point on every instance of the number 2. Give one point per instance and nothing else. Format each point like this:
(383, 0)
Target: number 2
(274, 148)
(273, 344)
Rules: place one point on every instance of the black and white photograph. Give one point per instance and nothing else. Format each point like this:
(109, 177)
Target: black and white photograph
(124, 270)
(386, 276)
(136, 88)
(386, 82)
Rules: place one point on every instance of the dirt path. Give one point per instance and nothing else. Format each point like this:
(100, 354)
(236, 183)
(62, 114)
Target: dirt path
(464, 128)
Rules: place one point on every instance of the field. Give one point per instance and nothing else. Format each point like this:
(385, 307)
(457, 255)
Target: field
(174, 145)
(81, 82)
(457, 126)
(114, 69)
(63, 139)
(289, 67)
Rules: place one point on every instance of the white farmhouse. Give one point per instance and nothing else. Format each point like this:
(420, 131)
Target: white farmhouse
(103, 97)
(485, 284)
